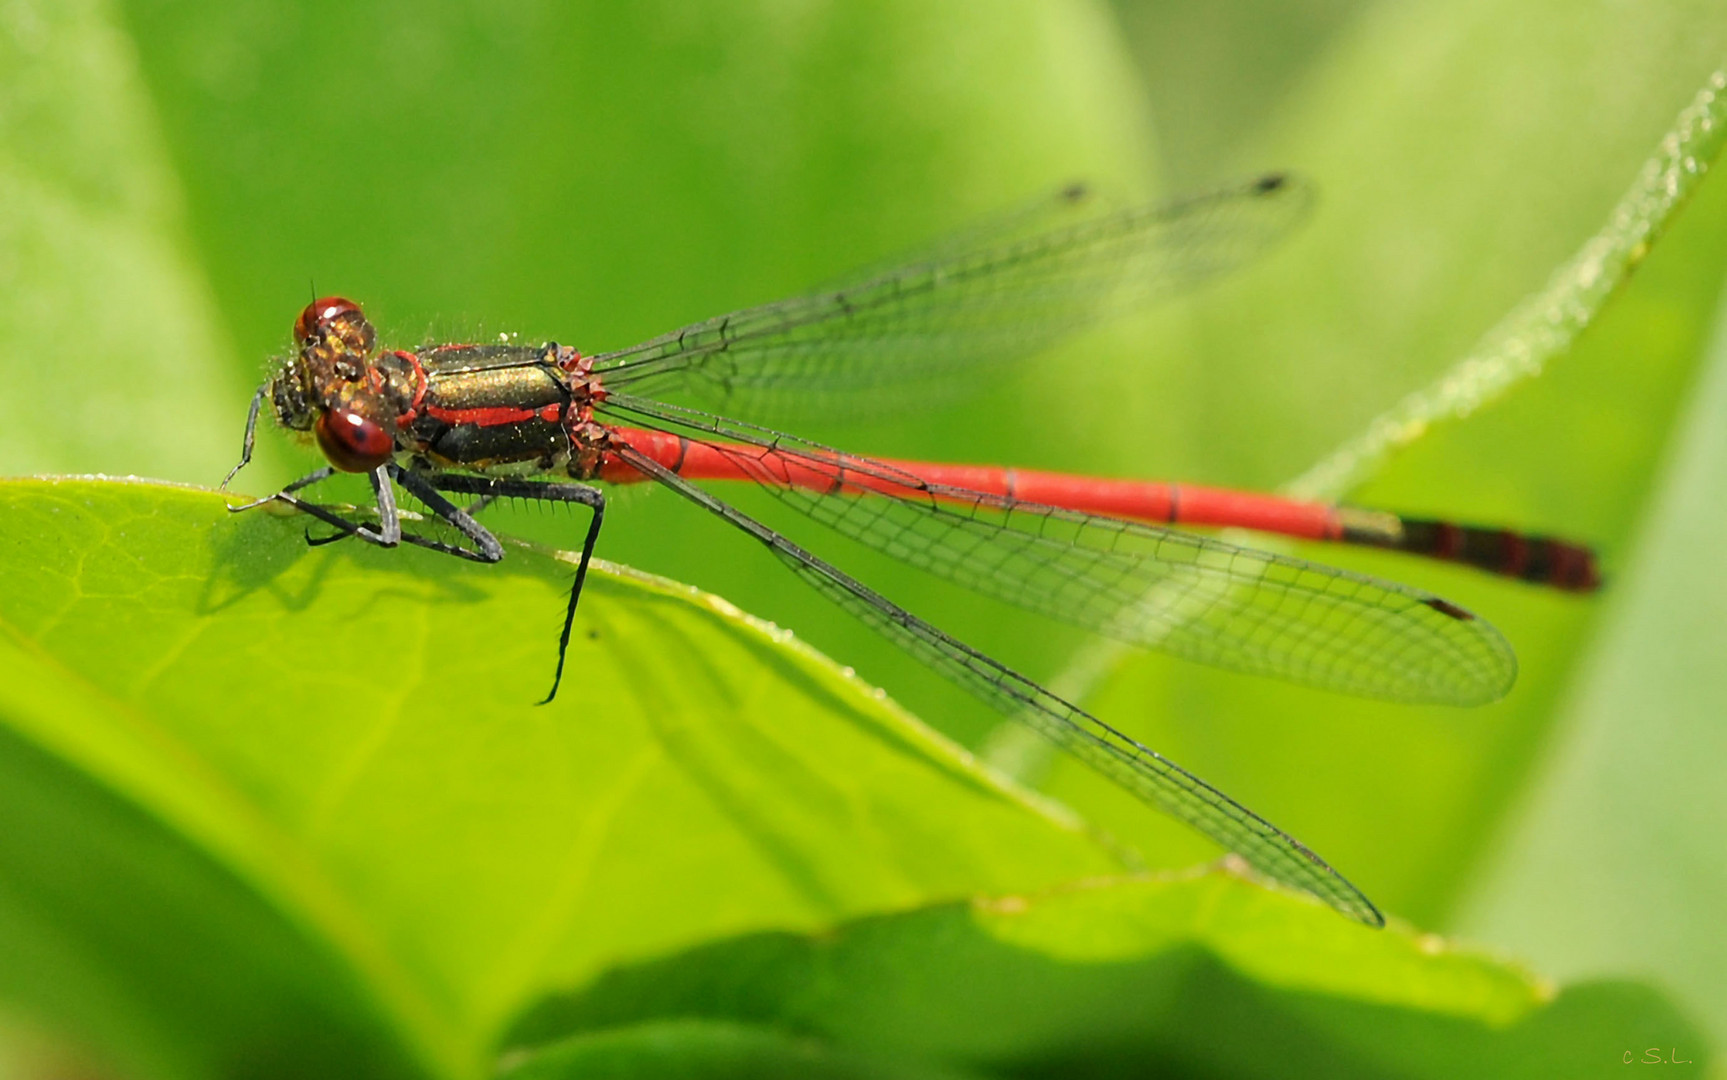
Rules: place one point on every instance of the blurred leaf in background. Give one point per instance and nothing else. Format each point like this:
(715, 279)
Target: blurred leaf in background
(1614, 862)
(271, 758)
(1466, 150)
(107, 322)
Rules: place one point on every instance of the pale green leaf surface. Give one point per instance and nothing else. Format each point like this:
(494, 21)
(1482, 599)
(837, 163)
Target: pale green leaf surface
(352, 735)
(126, 938)
(452, 861)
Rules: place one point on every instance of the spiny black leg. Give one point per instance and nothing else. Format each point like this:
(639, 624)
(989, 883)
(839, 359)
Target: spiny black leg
(388, 519)
(512, 488)
(286, 495)
(343, 526)
(599, 507)
(490, 551)
(389, 529)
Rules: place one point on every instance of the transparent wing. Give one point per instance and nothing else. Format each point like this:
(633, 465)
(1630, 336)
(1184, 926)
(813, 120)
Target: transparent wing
(998, 294)
(1143, 771)
(1193, 596)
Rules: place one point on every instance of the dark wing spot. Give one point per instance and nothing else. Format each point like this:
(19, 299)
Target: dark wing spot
(1446, 607)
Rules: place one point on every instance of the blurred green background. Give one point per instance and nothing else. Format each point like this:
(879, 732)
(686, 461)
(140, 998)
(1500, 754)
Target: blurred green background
(177, 178)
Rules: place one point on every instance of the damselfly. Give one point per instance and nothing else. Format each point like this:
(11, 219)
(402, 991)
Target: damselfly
(542, 422)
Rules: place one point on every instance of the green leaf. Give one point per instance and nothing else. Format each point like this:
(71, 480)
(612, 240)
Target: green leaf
(123, 932)
(1124, 978)
(1465, 153)
(1614, 864)
(339, 753)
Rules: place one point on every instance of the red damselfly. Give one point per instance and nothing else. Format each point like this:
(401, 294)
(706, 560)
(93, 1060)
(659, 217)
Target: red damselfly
(496, 420)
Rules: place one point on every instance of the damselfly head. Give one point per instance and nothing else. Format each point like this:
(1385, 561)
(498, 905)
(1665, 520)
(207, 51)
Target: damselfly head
(332, 388)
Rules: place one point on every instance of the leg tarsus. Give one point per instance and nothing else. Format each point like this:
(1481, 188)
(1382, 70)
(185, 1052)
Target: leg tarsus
(487, 548)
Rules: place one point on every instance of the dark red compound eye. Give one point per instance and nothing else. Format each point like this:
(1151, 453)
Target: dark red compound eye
(352, 442)
(319, 314)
